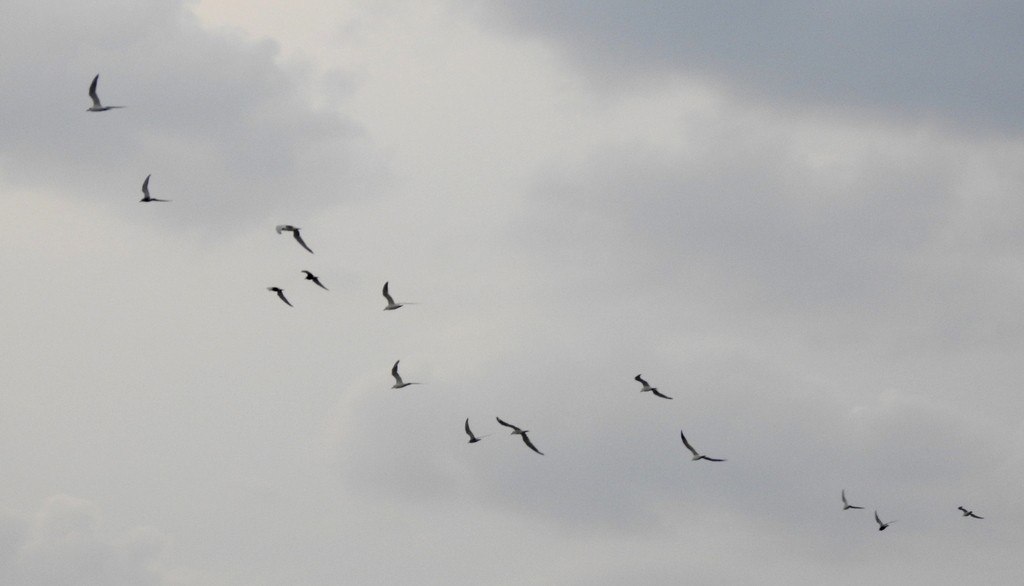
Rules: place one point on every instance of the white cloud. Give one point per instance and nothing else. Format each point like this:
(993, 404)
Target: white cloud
(830, 299)
(225, 125)
(65, 542)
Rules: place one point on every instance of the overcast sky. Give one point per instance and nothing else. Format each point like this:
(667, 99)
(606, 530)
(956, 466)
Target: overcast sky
(802, 222)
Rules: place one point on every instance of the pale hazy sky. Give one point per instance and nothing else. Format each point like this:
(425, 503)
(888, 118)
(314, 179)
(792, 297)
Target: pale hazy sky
(802, 221)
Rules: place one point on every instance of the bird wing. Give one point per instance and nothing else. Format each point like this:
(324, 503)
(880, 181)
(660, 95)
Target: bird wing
(145, 186)
(655, 391)
(92, 92)
(526, 440)
(394, 372)
(640, 380)
(280, 293)
(298, 237)
(386, 295)
(712, 459)
(317, 281)
(843, 494)
(877, 520)
(971, 514)
(507, 424)
(687, 444)
(468, 432)
(283, 228)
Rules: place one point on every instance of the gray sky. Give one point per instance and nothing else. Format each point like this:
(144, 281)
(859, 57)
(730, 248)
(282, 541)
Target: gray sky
(801, 222)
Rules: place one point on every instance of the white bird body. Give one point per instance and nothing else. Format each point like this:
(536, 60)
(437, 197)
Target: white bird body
(96, 105)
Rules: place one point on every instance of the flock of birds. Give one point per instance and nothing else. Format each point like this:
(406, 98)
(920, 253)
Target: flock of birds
(97, 106)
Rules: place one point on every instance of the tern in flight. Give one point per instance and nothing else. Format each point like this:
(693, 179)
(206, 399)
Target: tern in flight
(696, 456)
(881, 525)
(96, 105)
(281, 293)
(311, 277)
(472, 438)
(847, 505)
(391, 302)
(145, 192)
(295, 232)
(522, 433)
(399, 383)
(648, 387)
(969, 513)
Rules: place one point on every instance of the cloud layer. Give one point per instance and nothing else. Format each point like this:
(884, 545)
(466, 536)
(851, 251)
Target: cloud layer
(821, 271)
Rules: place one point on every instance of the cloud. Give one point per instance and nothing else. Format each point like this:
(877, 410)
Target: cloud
(915, 60)
(832, 303)
(228, 129)
(65, 542)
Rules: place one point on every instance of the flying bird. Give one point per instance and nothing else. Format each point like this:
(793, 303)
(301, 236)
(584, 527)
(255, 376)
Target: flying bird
(280, 293)
(881, 525)
(522, 433)
(472, 438)
(399, 383)
(696, 456)
(391, 302)
(311, 277)
(96, 105)
(969, 513)
(648, 387)
(145, 192)
(847, 505)
(295, 232)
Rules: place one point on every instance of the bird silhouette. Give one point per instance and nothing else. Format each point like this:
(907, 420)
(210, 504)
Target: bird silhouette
(295, 233)
(648, 387)
(145, 192)
(96, 105)
(280, 293)
(311, 277)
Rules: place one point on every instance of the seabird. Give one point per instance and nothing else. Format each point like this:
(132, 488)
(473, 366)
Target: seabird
(696, 456)
(472, 438)
(280, 293)
(311, 277)
(881, 525)
(391, 302)
(847, 505)
(648, 387)
(522, 433)
(969, 513)
(295, 232)
(96, 105)
(145, 191)
(399, 383)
